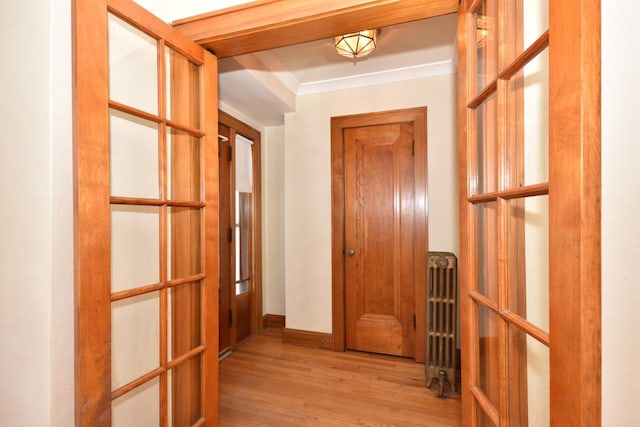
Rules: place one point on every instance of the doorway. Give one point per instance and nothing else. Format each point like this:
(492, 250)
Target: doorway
(240, 304)
(379, 231)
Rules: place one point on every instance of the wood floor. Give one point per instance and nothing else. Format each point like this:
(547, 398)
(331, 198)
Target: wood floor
(268, 383)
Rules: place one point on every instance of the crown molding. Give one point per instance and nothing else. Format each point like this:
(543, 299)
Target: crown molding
(381, 77)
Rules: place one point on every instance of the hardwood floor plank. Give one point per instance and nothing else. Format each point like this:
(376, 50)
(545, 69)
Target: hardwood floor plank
(268, 383)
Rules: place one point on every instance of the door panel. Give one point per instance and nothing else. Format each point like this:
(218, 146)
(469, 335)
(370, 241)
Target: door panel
(379, 223)
(529, 224)
(145, 220)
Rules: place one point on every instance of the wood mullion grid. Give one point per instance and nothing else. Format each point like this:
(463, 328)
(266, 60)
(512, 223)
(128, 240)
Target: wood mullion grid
(163, 180)
(506, 192)
(161, 371)
(134, 14)
(511, 317)
(487, 407)
(156, 118)
(116, 296)
(205, 344)
(511, 69)
(117, 200)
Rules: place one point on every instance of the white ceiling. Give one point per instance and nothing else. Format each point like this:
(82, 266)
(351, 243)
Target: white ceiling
(264, 85)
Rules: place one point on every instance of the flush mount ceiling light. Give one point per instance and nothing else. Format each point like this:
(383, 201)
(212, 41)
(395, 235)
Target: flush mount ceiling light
(357, 45)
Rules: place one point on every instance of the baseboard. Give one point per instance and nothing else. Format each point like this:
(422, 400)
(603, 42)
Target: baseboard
(273, 321)
(307, 338)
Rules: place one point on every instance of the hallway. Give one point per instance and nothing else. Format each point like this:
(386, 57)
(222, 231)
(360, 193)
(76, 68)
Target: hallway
(268, 383)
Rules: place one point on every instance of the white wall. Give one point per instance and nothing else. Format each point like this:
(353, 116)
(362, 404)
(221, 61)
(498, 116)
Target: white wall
(620, 213)
(36, 266)
(273, 221)
(307, 185)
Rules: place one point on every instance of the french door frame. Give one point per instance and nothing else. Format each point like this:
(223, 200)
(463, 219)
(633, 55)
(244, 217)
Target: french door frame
(574, 214)
(92, 200)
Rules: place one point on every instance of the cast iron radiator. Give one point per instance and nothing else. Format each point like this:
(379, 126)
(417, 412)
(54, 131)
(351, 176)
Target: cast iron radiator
(442, 290)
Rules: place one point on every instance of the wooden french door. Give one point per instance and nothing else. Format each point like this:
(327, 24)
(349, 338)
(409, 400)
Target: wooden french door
(384, 230)
(146, 221)
(529, 230)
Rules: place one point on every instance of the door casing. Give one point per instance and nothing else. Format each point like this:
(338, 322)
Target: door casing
(418, 116)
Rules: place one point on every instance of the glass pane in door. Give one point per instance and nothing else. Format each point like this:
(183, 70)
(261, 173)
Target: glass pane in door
(530, 21)
(133, 144)
(135, 338)
(487, 250)
(243, 218)
(184, 240)
(133, 66)
(528, 259)
(183, 89)
(484, 156)
(485, 39)
(530, 376)
(139, 407)
(184, 319)
(135, 245)
(529, 131)
(488, 355)
(183, 166)
(184, 392)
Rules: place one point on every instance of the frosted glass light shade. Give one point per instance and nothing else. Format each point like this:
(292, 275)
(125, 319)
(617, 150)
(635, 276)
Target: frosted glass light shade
(356, 45)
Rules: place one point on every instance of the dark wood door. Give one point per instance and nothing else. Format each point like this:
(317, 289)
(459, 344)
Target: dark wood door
(225, 240)
(379, 237)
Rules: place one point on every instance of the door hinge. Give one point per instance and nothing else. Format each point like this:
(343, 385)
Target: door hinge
(230, 154)
(230, 235)
(230, 317)
(413, 147)
(414, 321)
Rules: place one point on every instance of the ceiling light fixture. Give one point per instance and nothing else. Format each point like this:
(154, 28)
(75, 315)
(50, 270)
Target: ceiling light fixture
(357, 45)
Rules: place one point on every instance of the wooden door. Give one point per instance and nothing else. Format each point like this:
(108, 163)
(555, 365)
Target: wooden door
(146, 221)
(379, 164)
(240, 256)
(226, 239)
(379, 221)
(529, 205)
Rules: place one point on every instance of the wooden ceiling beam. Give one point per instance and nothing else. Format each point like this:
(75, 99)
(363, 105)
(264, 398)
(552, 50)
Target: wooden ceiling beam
(268, 24)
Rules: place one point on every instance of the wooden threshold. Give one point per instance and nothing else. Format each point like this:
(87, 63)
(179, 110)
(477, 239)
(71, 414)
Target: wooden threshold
(268, 24)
